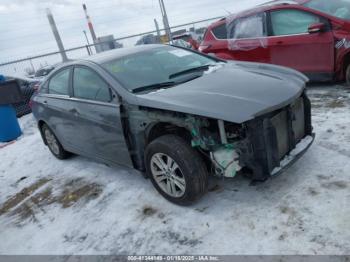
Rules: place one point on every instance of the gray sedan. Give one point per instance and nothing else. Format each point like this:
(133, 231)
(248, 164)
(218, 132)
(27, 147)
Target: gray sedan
(176, 115)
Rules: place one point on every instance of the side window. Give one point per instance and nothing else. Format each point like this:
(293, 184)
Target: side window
(220, 31)
(248, 27)
(88, 85)
(291, 22)
(59, 83)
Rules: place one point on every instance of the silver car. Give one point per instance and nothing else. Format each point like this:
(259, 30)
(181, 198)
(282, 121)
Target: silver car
(176, 115)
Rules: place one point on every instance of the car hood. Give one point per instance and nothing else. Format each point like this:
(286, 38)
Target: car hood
(234, 91)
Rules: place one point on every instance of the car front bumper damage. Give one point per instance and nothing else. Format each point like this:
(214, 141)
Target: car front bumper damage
(276, 140)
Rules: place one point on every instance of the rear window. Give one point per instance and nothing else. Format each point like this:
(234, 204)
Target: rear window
(220, 32)
(59, 83)
(248, 27)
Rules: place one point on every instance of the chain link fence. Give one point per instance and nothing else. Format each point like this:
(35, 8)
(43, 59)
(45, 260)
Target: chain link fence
(30, 65)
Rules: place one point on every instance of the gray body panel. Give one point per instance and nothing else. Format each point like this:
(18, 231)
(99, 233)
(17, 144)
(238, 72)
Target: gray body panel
(84, 127)
(237, 92)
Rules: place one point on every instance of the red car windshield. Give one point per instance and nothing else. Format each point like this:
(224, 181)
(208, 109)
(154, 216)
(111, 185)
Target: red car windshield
(337, 8)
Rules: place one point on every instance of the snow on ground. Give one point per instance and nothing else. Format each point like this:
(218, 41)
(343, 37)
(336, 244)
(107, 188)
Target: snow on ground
(78, 206)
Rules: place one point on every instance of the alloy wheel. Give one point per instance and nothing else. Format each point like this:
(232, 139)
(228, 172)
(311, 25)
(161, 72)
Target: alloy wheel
(168, 175)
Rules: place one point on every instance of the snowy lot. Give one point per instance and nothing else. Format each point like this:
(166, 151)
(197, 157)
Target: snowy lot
(82, 207)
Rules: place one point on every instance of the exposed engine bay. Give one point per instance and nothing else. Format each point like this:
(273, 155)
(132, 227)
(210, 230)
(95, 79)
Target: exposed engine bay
(260, 146)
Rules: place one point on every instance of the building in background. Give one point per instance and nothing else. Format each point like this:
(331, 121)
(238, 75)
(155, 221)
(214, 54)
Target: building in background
(105, 43)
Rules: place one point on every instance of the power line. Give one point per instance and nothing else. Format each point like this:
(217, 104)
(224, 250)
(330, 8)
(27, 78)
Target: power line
(135, 35)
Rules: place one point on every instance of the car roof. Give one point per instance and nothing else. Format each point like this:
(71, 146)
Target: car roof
(279, 2)
(300, 2)
(118, 53)
(264, 7)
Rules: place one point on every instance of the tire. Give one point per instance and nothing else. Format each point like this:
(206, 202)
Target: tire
(188, 179)
(347, 76)
(53, 144)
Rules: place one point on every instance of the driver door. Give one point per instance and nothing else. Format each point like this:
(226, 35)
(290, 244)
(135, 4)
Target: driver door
(291, 44)
(99, 130)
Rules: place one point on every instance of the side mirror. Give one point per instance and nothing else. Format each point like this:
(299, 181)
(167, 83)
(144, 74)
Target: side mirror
(316, 28)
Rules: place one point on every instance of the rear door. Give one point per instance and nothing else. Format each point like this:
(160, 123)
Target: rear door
(55, 102)
(97, 113)
(291, 45)
(248, 38)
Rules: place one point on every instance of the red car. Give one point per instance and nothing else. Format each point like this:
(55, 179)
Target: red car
(312, 36)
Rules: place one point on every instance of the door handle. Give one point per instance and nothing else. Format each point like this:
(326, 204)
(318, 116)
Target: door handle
(280, 42)
(45, 102)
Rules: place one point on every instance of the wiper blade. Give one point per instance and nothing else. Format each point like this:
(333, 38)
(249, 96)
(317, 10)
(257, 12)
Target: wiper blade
(154, 86)
(191, 70)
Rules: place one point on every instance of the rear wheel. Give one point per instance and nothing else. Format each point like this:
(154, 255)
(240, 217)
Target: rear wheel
(53, 144)
(176, 170)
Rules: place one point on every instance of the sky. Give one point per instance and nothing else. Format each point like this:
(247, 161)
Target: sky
(25, 31)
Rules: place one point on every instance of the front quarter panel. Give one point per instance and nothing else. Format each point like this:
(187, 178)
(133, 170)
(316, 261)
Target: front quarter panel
(342, 51)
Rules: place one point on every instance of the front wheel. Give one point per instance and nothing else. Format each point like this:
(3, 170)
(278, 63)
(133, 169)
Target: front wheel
(176, 170)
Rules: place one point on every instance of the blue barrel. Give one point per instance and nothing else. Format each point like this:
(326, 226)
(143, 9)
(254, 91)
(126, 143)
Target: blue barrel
(9, 127)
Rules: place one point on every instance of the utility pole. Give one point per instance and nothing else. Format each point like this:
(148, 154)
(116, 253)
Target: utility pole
(157, 28)
(91, 28)
(56, 34)
(165, 20)
(88, 43)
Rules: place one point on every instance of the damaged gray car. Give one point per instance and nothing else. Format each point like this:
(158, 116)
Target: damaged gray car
(176, 115)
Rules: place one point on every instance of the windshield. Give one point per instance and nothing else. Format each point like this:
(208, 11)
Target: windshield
(337, 8)
(155, 66)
